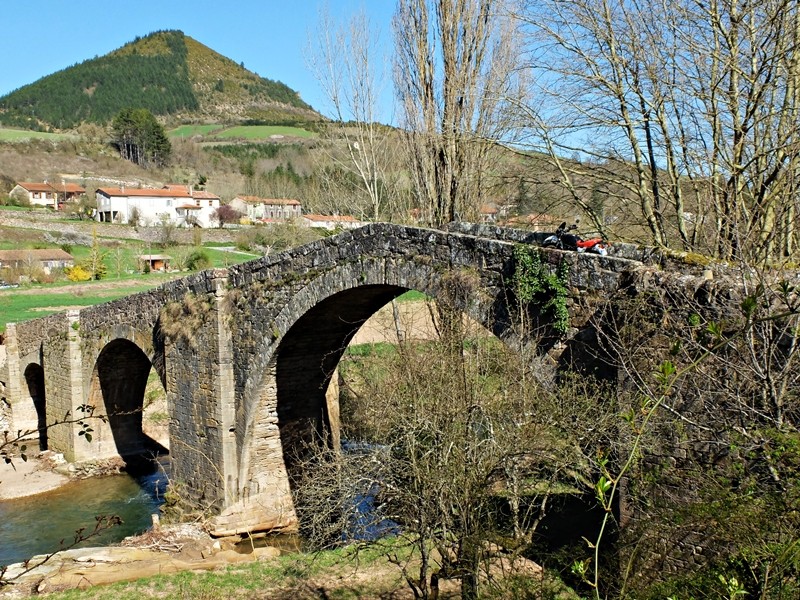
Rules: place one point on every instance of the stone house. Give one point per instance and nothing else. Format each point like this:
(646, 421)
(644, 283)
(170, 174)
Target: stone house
(267, 209)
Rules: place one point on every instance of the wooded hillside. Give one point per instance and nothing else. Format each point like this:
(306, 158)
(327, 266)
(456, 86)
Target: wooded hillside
(165, 72)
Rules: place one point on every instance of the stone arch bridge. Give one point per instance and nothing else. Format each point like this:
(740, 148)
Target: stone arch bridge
(246, 353)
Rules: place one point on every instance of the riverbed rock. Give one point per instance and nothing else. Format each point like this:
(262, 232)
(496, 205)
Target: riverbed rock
(170, 549)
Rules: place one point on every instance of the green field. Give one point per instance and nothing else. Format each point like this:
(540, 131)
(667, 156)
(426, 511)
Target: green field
(193, 130)
(123, 277)
(262, 132)
(16, 306)
(20, 135)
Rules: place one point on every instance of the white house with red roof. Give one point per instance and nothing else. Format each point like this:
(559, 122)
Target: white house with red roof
(179, 204)
(267, 209)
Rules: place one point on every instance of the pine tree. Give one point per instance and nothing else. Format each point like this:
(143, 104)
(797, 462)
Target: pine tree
(140, 138)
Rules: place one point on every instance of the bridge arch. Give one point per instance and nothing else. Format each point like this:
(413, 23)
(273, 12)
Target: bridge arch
(285, 392)
(117, 389)
(34, 380)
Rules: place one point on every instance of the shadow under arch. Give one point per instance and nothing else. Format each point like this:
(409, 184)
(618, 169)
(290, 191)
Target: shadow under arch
(34, 379)
(307, 357)
(119, 384)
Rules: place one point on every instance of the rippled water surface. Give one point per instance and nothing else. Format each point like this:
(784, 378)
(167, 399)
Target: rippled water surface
(38, 524)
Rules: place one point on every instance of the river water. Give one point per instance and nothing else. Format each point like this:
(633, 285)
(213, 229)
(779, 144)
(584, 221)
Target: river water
(38, 524)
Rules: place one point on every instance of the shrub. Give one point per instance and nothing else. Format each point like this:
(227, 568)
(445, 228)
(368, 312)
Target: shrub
(198, 260)
(77, 273)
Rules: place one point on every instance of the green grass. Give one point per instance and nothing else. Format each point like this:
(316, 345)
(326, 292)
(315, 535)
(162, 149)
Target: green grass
(262, 132)
(19, 135)
(376, 349)
(16, 307)
(192, 130)
(248, 132)
(19, 208)
(40, 300)
(221, 258)
(412, 296)
(284, 577)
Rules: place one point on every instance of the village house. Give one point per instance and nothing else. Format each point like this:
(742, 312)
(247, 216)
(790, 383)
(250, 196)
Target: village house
(267, 209)
(331, 222)
(44, 259)
(178, 204)
(46, 194)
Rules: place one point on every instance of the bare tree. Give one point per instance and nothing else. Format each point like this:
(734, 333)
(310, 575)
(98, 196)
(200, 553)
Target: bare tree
(463, 450)
(347, 61)
(683, 108)
(456, 75)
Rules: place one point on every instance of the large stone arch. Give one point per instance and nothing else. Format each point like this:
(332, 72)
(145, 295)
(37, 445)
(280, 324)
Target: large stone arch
(116, 389)
(283, 402)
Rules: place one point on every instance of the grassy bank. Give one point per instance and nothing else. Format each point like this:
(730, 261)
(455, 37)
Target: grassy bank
(342, 574)
(339, 574)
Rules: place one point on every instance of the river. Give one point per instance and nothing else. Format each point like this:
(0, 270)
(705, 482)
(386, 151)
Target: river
(38, 524)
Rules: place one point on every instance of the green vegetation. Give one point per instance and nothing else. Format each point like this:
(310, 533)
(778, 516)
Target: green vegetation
(140, 138)
(21, 135)
(261, 132)
(412, 296)
(249, 152)
(120, 270)
(18, 305)
(211, 133)
(537, 287)
(287, 576)
(192, 130)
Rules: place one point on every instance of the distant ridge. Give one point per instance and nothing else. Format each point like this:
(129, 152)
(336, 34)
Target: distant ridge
(167, 72)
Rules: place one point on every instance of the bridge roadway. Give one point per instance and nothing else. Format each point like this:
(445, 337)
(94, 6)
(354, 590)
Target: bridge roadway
(246, 353)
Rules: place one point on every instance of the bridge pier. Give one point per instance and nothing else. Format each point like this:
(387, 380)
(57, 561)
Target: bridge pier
(201, 399)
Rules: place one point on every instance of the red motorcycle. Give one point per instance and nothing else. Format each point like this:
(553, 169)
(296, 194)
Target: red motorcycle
(563, 240)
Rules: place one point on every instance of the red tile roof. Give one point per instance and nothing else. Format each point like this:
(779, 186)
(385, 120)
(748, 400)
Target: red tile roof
(278, 201)
(162, 193)
(340, 218)
(49, 187)
(204, 195)
(72, 188)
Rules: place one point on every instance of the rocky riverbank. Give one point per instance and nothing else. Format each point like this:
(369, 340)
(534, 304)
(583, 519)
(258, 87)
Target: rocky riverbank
(160, 551)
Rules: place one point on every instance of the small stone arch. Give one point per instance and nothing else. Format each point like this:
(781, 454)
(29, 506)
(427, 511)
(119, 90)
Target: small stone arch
(117, 389)
(34, 380)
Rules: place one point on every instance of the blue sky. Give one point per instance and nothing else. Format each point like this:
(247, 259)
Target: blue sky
(40, 37)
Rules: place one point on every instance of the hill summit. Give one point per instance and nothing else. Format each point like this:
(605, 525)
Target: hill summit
(166, 72)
